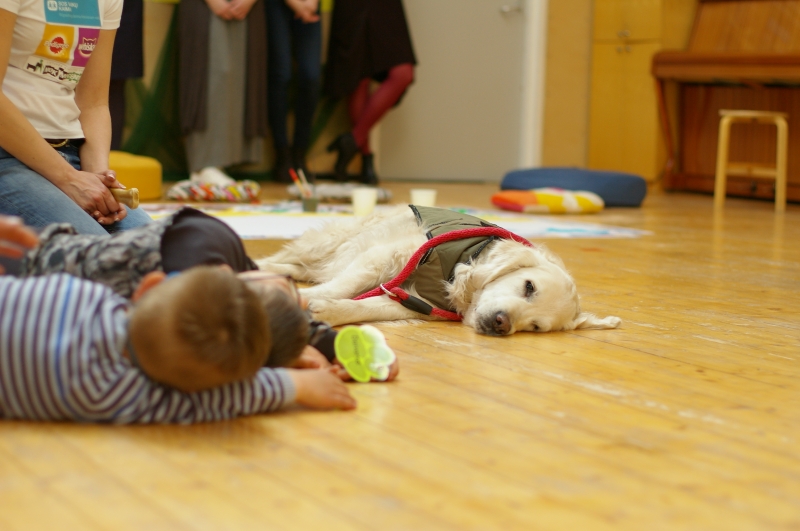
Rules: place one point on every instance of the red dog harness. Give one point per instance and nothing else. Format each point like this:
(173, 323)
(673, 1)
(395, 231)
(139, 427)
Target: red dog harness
(393, 290)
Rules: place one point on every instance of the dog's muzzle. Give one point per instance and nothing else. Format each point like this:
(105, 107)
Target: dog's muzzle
(498, 324)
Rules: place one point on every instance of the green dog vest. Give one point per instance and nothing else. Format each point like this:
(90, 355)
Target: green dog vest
(435, 269)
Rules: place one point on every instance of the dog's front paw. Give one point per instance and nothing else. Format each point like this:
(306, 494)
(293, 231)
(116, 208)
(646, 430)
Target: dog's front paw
(589, 320)
(327, 310)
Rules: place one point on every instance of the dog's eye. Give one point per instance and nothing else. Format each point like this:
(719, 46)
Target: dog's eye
(536, 327)
(530, 289)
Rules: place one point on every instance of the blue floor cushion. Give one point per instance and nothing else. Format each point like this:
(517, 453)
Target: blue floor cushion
(615, 188)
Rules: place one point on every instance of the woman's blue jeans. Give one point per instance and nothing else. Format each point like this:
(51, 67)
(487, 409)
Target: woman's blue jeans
(26, 194)
(285, 34)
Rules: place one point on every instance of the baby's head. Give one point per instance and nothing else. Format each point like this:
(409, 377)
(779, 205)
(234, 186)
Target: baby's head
(286, 312)
(200, 329)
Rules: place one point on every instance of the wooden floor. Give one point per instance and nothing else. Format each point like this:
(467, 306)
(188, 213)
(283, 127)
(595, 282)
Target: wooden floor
(687, 417)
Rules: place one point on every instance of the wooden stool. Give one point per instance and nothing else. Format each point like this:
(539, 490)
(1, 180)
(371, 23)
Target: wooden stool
(136, 171)
(725, 168)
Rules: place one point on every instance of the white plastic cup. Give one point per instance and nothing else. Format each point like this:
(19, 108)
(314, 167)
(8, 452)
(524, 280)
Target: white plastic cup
(364, 200)
(423, 197)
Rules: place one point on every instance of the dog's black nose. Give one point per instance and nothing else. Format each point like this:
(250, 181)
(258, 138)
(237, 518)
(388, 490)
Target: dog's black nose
(501, 324)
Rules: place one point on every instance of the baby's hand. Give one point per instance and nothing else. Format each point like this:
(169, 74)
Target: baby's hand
(14, 237)
(311, 358)
(321, 389)
(394, 370)
(341, 372)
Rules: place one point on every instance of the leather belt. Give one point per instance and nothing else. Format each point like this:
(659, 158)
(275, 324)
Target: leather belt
(61, 142)
(57, 143)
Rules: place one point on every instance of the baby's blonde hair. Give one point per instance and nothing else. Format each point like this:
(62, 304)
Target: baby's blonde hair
(213, 319)
(289, 325)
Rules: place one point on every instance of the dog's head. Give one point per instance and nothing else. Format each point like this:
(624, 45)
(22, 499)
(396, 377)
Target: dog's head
(519, 288)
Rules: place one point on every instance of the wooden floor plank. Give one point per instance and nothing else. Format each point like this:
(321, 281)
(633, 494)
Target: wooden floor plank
(569, 478)
(207, 483)
(586, 398)
(687, 417)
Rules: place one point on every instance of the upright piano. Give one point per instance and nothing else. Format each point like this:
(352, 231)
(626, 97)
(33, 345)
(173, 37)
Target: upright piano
(742, 54)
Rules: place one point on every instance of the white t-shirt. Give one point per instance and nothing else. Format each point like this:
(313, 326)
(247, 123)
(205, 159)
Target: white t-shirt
(53, 40)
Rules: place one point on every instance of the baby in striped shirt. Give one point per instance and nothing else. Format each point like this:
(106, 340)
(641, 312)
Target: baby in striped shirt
(187, 238)
(188, 349)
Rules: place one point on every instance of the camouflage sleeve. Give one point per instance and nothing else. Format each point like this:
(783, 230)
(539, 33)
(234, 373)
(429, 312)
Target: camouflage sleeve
(118, 260)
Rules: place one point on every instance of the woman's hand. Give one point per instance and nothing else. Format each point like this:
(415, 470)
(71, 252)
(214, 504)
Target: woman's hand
(221, 8)
(305, 10)
(90, 192)
(109, 178)
(14, 237)
(239, 9)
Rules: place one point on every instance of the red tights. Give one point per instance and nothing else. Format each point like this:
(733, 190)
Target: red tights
(366, 108)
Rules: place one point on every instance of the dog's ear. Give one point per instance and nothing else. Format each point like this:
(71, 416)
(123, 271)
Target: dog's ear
(550, 256)
(587, 320)
(504, 257)
(463, 286)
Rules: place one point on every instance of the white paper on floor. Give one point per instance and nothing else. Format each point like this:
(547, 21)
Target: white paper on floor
(286, 221)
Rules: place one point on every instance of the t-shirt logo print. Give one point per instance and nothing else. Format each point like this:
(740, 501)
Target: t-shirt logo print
(86, 46)
(56, 43)
(79, 13)
(87, 40)
(61, 54)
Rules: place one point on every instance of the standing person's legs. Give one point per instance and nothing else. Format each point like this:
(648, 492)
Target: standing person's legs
(26, 194)
(223, 143)
(380, 101)
(356, 104)
(279, 71)
(365, 110)
(308, 50)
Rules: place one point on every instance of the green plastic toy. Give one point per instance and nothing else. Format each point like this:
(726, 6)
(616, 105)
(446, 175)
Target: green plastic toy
(363, 352)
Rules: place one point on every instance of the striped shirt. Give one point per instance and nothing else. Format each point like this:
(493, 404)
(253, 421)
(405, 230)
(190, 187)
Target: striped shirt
(61, 345)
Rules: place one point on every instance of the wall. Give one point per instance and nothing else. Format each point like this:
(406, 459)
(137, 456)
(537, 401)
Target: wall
(566, 114)
(567, 83)
(157, 16)
(677, 23)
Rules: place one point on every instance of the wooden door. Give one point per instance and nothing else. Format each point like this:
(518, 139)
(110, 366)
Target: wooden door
(623, 123)
(633, 20)
(461, 119)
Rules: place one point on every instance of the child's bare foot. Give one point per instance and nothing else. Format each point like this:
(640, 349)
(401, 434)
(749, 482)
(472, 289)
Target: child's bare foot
(321, 389)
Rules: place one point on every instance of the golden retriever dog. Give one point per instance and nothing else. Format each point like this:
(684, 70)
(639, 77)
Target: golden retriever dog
(508, 287)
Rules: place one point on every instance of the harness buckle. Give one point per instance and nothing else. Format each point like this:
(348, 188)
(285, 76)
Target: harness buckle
(386, 291)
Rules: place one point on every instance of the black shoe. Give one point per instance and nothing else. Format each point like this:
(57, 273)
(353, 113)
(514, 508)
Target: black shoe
(346, 146)
(299, 163)
(283, 161)
(368, 175)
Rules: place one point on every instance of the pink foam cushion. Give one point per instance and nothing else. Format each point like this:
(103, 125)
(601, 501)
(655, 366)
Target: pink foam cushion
(549, 201)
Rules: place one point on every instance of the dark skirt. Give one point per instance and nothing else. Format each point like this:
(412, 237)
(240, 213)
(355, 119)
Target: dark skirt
(127, 60)
(368, 38)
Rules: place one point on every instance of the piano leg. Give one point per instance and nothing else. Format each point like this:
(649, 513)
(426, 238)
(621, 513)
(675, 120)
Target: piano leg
(721, 175)
(669, 165)
(782, 164)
